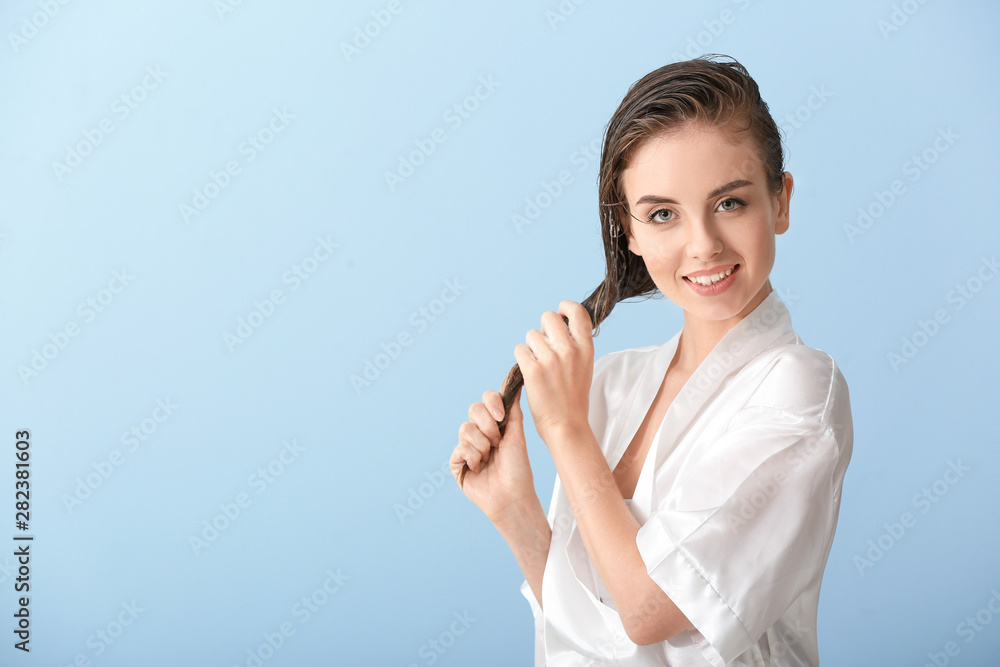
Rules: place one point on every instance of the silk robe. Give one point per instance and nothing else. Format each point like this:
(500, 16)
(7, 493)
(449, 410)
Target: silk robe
(737, 500)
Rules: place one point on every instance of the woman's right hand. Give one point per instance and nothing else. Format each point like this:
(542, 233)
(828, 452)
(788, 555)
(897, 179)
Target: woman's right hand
(499, 475)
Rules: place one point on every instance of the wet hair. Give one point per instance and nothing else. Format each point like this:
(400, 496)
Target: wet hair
(712, 90)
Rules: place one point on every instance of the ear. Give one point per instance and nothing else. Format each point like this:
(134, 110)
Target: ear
(781, 220)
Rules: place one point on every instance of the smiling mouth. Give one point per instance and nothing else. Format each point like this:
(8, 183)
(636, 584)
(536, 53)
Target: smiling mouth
(711, 280)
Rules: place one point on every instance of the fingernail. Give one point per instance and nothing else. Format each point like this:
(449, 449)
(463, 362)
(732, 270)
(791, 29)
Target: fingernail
(496, 415)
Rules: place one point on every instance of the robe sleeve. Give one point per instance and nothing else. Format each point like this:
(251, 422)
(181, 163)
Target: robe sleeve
(747, 525)
(536, 611)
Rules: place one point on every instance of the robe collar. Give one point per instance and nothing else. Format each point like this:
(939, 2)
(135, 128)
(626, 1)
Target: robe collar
(767, 324)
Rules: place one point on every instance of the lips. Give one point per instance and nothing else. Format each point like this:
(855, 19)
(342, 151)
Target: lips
(711, 276)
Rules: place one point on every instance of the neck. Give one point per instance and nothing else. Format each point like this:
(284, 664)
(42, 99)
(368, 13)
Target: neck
(699, 336)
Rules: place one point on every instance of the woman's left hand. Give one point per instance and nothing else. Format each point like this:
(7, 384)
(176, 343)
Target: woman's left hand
(558, 365)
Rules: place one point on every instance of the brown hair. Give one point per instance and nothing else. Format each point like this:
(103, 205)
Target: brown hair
(719, 93)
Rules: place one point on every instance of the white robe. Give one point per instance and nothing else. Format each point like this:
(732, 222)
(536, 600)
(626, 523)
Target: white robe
(737, 501)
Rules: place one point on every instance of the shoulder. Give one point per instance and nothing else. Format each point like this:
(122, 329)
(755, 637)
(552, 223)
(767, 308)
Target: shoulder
(802, 380)
(798, 393)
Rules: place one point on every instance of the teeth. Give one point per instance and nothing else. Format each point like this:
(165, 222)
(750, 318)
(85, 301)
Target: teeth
(708, 280)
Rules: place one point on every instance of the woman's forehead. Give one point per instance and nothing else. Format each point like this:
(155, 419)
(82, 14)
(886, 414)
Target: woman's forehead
(691, 161)
(692, 138)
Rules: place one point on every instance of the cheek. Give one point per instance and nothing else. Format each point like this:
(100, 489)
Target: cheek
(763, 245)
(755, 241)
(662, 257)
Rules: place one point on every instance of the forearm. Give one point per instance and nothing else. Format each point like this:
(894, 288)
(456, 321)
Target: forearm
(526, 530)
(608, 530)
(606, 525)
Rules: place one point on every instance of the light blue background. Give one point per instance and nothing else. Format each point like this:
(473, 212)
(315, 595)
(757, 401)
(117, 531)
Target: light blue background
(336, 506)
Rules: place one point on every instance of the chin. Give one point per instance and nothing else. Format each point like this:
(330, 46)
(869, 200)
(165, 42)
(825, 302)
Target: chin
(722, 307)
(716, 312)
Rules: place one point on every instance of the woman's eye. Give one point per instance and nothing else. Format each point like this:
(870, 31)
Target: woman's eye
(736, 203)
(657, 215)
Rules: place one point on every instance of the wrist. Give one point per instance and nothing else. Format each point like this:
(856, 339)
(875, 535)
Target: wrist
(525, 528)
(518, 514)
(569, 436)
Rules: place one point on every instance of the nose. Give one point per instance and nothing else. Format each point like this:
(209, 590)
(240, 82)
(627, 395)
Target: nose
(704, 242)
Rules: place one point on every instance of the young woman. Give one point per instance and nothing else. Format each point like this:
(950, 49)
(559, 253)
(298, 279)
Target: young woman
(698, 480)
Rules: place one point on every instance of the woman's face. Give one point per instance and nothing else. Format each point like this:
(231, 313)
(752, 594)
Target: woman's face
(703, 204)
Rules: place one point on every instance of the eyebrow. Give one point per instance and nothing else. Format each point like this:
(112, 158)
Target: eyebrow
(728, 187)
